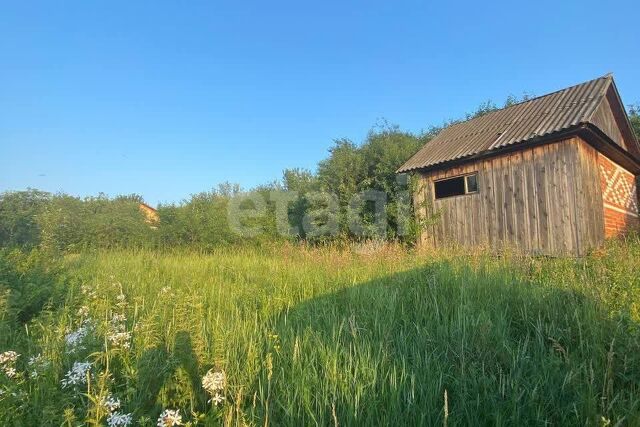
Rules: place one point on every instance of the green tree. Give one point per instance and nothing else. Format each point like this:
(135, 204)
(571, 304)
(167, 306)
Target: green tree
(62, 223)
(634, 117)
(298, 179)
(343, 170)
(71, 224)
(115, 222)
(352, 169)
(19, 212)
(303, 182)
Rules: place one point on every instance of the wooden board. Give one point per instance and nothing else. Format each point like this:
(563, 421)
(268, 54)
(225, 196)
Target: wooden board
(541, 199)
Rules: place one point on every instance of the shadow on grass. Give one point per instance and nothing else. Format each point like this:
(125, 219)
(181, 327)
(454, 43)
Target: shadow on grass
(31, 282)
(157, 365)
(505, 351)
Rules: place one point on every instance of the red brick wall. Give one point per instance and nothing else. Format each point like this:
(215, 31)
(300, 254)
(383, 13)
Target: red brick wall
(620, 198)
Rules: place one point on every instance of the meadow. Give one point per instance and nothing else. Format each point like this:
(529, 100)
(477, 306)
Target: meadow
(293, 335)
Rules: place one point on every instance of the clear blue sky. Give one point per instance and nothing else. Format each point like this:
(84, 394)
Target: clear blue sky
(165, 99)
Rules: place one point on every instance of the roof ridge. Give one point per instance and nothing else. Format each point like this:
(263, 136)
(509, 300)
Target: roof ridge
(557, 108)
(606, 76)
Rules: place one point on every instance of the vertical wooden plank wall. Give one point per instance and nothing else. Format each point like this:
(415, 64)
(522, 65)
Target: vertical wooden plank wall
(544, 200)
(604, 118)
(589, 196)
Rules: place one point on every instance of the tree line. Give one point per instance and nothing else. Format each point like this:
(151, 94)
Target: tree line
(61, 222)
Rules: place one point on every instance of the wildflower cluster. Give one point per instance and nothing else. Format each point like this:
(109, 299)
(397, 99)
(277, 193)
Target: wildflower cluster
(75, 339)
(111, 403)
(214, 384)
(8, 361)
(118, 335)
(88, 292)
(37, 365)
(169, 418)
(83, 311)
(119, 420)
(116, 418)
(77, 375)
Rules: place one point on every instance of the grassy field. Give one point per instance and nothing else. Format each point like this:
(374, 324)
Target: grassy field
(297, 336)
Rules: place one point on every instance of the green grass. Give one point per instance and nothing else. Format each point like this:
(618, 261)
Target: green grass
(337, 337)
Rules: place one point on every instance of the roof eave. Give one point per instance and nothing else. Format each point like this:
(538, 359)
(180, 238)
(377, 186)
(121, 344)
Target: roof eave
(604, 144)
(539, 140)
(588, 132)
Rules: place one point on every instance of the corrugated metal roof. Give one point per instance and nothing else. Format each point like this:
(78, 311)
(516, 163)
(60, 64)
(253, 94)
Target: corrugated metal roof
(537, 117)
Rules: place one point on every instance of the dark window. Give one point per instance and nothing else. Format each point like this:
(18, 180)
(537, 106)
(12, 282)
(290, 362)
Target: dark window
(449, 187)
(472, 183)
(457, 186)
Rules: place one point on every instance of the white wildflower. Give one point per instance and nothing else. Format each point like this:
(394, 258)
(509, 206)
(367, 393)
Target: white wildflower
(214, 384)
(77, 374)
(111, 403)
(165, 290)
(117, 419)
(118, 335)
(75, 339)
(37, 365)
(169, 418)
(217, 399)
(8, 361)
(120, 339)
(35, 360)
(8, 357)
(214, 381)
(88, 292)
(118, 318)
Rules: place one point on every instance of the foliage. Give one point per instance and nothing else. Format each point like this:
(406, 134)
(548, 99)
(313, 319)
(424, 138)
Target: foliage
(372, 335)
(200, 222)
(18, 217)
(206, 220)
(634, 117)
(69, 223)
(351, 169)
(29, 282)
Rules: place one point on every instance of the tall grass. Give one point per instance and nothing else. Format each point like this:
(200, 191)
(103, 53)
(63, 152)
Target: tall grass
(343, 337)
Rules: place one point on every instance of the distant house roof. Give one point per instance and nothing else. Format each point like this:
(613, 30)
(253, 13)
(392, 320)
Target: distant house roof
(145, 206)
(150, 213)
(540, 117)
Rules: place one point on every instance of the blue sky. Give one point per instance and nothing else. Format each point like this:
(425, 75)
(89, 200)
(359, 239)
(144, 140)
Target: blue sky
(165, 99)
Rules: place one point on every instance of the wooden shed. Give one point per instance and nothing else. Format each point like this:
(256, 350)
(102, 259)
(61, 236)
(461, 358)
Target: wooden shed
(552, 175)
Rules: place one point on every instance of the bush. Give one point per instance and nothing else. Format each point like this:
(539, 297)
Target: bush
(29, 282)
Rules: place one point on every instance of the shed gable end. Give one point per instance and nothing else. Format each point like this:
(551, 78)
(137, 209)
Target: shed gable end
(611, 118)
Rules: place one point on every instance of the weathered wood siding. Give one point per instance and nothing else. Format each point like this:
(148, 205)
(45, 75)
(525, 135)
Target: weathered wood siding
(545, 199)
(610, 118)
(606, 121)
